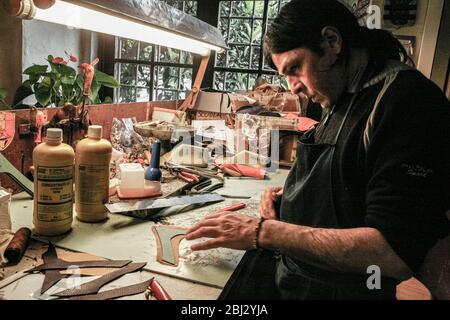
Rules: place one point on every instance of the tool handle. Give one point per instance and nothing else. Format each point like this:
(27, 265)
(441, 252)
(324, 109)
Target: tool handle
(158, 291)
(234, 207)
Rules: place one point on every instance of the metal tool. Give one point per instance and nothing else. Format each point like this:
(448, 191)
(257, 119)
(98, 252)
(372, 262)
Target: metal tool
(186, 188)
(197, 190)
(202, 172)
(16, 175)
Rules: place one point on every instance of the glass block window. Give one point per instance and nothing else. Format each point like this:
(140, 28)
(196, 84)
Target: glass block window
(149, 72)
(243, 25)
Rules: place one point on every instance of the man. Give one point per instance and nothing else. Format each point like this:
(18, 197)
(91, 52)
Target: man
(370, 186)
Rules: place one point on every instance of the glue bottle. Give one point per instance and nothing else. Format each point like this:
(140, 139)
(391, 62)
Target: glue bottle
(92, 159)
(153, 172)
(53, 185)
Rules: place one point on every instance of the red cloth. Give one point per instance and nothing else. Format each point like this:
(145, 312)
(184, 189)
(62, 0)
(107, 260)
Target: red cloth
(239, 170)
(304, 123)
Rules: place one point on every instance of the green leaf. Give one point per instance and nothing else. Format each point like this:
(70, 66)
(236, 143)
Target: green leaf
(79, 81)
(34, 78)
(70, 80)
(22, 92)
(106, 80)
(43, 95)
(3, 93)
(67, 71)
(108, 100)
(93, 92)
(35, 70)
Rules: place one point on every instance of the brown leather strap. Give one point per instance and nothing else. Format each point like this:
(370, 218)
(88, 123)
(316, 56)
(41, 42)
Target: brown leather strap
(59, 264)
(94, 286)
(117, 293)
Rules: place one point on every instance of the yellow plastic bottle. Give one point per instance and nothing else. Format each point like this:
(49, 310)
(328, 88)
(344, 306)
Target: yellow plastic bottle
(53, 185)
(92, 159)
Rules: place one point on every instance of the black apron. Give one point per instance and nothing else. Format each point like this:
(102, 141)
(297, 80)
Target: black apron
(308, 200)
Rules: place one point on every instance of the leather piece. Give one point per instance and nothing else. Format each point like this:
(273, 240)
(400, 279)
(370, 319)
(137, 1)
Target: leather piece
(59, 264)
(116, 293)
(51, 276)
(168, 240)
(94, 286)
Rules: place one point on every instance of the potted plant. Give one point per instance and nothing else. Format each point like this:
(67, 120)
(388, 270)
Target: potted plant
(62, 84)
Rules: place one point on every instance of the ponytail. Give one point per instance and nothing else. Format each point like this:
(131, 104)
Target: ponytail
(382, 45)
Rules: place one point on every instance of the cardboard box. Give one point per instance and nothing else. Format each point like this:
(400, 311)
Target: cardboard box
(217, 102)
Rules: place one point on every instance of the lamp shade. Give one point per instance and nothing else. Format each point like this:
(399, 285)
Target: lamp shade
(150, 21)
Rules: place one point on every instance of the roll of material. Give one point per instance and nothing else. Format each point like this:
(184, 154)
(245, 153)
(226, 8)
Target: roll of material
(18, 245)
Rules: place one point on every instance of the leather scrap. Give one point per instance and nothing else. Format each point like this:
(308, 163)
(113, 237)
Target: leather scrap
(94, 286)
(117, 293)
(168, 241)
(59, 264)
(51, 276)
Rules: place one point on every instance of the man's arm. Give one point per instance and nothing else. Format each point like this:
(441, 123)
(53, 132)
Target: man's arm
(338, 250)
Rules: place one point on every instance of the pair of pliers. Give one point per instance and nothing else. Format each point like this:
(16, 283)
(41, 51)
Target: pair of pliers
(187, 177)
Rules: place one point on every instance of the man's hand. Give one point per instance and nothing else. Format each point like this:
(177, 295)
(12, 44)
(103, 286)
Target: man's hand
(227, 230)
(268, 197)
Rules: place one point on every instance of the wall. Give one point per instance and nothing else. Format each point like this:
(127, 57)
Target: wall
(441, 66)
(425, 30)
(41, 39)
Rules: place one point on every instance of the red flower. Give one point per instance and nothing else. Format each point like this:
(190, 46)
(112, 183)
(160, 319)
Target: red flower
(71, 57)
(59, 60)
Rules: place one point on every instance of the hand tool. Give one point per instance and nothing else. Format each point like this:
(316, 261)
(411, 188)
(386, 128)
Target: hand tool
(234, 207)
(158, 291)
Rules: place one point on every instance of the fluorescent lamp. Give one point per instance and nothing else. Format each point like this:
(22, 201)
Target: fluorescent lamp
(80, 17)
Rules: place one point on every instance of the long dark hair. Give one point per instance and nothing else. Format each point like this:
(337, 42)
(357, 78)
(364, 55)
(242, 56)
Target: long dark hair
(300, 22)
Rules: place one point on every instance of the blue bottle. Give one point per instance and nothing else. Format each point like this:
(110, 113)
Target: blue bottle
(153, 172)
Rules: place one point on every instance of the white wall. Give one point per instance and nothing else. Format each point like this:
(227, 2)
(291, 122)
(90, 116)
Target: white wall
(41, 39)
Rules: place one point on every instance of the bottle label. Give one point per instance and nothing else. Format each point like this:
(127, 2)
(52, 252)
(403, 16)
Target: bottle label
(54, 193)
(93, 183)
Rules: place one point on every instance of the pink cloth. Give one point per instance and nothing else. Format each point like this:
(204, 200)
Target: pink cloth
(238, 170)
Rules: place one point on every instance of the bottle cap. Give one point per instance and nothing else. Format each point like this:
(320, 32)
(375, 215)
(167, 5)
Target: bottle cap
(54, 135)
(95, 132)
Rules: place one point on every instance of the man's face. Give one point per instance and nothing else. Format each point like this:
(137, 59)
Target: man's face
(312, 75)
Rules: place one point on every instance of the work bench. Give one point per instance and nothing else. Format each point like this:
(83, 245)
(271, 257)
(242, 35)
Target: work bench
(199, 275)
